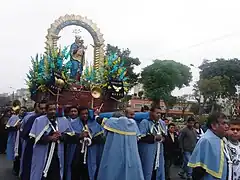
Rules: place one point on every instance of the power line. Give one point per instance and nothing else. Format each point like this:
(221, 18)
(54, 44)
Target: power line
(204, 42)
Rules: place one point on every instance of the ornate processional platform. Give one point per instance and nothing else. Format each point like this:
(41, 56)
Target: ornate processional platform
(63, 75)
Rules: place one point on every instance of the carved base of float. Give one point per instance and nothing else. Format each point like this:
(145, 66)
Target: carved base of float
(76, 96)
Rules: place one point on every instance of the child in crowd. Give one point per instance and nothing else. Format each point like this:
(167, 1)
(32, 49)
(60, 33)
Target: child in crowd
(234, 147)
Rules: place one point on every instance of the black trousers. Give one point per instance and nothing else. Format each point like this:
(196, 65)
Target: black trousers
(16, 162)
(78, 169)
(154, 175)
(27, 160)
(154, 172)
(54, 169)
(3, 141)
(65, 160)
(169, 161)
(16, 165)
(80, 172)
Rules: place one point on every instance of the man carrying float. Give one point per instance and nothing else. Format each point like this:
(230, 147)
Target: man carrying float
(14, 141)
(83, 157)
(49, 133)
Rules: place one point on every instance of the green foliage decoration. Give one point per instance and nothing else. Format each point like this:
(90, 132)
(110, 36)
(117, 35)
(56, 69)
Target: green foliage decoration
(44, 66)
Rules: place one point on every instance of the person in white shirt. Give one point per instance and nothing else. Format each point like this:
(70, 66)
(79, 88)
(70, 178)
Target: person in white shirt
(198, 130)
(233, 145)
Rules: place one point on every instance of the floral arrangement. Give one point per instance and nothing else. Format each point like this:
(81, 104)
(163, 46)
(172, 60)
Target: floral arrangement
(113, 69)
(41, 74)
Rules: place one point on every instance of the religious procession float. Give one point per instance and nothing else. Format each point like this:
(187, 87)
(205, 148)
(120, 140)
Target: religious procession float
(63, 74)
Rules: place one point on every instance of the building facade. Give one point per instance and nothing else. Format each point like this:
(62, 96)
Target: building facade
(137, 88)
(24, 96)
(177, 109)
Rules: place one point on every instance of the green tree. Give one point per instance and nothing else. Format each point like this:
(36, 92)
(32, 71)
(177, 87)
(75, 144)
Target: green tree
(169, 101)
(213, 88)
(162, 77)
(200, 98)
(195, 108)
(140, 94)
(129, 63)
(222, 68)
(196, 93)
(183, 102)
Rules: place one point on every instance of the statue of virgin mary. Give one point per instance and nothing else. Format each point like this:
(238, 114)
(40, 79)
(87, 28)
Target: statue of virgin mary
(77, 51)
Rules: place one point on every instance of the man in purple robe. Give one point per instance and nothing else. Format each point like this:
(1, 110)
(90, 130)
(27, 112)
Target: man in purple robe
(73, 114)
(26, 158)
(24, 121)
(83, 157)
(49, 132)
(28, 115)
(13, 142)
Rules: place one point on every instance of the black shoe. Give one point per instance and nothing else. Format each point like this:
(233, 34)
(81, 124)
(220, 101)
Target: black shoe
(182, 175)
(14, 173)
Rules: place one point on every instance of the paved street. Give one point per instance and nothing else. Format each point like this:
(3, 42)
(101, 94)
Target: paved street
(5, 170)
(175, 174)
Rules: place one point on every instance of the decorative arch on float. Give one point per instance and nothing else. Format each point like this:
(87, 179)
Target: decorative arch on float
(84, 22)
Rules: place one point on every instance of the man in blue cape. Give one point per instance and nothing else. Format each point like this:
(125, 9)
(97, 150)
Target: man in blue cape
(73, 114)
(24, 121)
(28, 115)
(49, 132)
(26, 158)
(13, 142)
(129, 113)
(150, 146)
(208, 159)
(120, 159)
(84, 157)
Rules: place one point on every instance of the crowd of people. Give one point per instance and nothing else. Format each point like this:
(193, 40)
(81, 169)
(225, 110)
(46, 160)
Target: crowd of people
(83, 145)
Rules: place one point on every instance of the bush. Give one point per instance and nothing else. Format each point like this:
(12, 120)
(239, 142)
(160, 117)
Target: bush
(202, 119)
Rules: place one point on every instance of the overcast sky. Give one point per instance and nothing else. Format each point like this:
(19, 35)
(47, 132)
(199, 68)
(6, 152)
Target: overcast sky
(185, 31)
